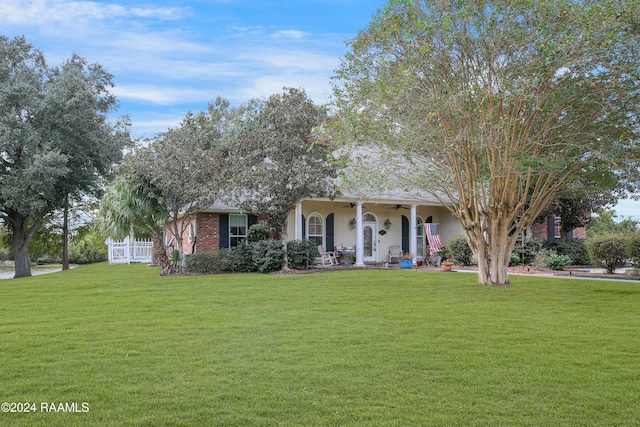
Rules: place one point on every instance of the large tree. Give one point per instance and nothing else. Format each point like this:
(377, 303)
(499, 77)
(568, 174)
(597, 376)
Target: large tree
(55, 138)
(279, 157)
(186, 166)
(500, 104)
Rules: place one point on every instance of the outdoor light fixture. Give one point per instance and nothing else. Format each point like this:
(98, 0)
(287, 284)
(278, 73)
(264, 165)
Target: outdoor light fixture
(352, 223)
(387, 224)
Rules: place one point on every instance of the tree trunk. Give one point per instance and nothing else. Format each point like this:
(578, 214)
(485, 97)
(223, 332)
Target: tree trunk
(493, 249)
(65, 235)
(161, 256)
(21, 246)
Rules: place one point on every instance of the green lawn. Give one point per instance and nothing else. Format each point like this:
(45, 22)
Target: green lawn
(350, 348)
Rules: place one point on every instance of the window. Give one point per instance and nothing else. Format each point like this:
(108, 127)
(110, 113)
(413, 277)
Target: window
(369, 218)
(315, 229)
(556, 227)
(420, 243)
(237, 229)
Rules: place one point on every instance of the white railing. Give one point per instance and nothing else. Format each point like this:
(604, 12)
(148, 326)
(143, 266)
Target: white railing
(129, 251)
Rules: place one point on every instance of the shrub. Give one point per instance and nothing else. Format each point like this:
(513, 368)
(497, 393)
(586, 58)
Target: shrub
(543, 257)
(576, 250)
(461, 253)
(633, 250)
(268, 255)
(514, 260)
(258, 232)
(608, 251)
(530, 249)
(215, 261)
(557, 262)
(244, 257)
(301, 254)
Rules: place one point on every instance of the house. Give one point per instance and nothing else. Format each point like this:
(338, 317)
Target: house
(369, 219)
(370, 226)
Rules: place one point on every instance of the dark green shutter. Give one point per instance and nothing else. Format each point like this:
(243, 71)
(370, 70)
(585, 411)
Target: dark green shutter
(251, 220)
(570, 236)
(405, 234)
(551, 227)
(304, 227)
(329, 232)
(224, 231)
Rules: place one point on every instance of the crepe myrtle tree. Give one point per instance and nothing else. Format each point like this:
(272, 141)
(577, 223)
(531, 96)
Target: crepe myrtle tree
(186, 168)
(55, 137)
(280, 157)
(499, 104)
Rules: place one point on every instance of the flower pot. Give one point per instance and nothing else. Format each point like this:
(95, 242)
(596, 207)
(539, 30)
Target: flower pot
(446, 267)
(419, 262)
(406, 264)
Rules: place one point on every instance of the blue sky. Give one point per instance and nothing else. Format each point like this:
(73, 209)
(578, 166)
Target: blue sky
(170, 57)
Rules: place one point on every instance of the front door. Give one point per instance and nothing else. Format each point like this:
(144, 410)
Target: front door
(370, 242)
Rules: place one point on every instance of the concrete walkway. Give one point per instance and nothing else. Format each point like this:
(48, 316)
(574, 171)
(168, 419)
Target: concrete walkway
(8, 274)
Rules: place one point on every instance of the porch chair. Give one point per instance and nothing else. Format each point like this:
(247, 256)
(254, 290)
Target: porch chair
(395, 253)
(327, 256)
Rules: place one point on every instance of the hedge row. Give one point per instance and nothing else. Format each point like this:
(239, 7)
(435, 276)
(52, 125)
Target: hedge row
(263, 256)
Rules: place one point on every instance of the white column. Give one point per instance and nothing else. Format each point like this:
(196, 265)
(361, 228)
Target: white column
(413, 232)
(298, 214)
(359, 236)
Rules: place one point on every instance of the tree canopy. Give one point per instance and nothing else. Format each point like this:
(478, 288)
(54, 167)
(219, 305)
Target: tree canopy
(500, 104)
(55, 137)
(279, 157)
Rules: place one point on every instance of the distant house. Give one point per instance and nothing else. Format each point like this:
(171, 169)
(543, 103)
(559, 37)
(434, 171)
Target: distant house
(549, 229)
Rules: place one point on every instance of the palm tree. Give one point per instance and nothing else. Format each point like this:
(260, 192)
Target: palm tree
(131, 207)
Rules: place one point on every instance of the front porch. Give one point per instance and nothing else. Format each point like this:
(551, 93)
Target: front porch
(369, 228)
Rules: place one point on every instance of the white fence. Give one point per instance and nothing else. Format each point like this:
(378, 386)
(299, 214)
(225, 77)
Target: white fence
(130, 250)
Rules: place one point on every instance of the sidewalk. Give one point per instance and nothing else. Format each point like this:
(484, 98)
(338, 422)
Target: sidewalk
(8, 274)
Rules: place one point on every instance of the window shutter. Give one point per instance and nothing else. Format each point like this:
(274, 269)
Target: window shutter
(329, 233)
(405, 234)
(251, 220)
(551, 228)
(304, 227)
(224, 231)
(570, 236)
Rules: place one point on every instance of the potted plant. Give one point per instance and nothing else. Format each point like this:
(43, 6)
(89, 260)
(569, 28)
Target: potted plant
(445, 263)
(406, 260)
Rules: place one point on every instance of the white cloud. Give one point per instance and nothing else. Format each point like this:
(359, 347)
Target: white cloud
(160, 95)
(39, 12)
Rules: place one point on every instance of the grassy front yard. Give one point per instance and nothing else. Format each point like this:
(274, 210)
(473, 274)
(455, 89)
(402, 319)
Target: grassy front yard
(350, 348)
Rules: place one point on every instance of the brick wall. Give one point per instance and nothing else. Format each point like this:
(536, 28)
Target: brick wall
(541, 231)
(208, 232)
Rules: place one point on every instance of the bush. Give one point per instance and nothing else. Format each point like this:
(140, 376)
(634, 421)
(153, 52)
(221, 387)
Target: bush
(244, 258)
(530, 249)
(633, 250)
(258, 232)
(542, 259)
(557, 262)
(268, 255)
(301, 254)
(460, 251)
(609, 251)
(514, 260)
(576, 251)
(215, 261)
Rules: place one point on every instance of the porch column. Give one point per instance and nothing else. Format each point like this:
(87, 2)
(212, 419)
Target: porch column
(413, 232)
(298, 228)
(359, 236)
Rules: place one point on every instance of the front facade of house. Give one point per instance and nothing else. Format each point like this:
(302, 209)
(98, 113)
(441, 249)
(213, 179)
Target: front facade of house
(367, 228)
(364, 228)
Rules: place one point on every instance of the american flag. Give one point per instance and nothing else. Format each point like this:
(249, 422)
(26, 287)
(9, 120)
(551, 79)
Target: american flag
(433, 236)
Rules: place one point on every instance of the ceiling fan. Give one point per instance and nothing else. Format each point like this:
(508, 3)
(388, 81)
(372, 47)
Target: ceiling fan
(396, 207)
(350, 205)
